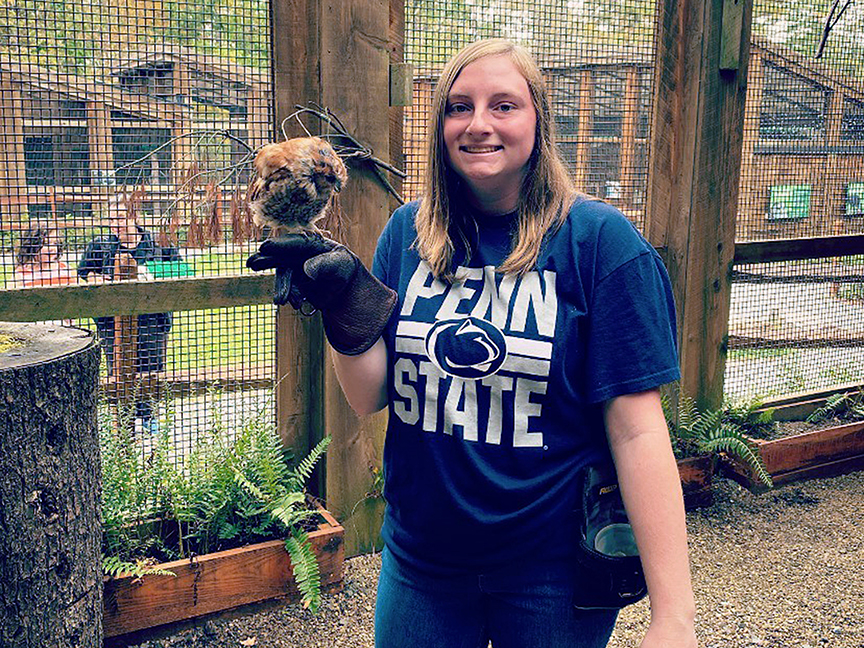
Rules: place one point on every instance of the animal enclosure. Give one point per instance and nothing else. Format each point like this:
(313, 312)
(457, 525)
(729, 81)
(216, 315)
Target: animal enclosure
(160, 105)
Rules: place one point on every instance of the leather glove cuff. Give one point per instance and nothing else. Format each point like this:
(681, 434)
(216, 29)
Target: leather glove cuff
(355, 306)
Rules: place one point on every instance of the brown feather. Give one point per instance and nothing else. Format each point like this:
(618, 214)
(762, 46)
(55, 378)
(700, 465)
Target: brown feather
(294, 184)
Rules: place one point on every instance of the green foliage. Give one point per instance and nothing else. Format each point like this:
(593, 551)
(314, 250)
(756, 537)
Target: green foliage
(115, 567)
(235, 488)
(694, 433)
(848, 405)
(751, 416)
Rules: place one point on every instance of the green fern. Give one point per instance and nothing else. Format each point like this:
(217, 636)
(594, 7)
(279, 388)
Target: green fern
(839, 405)
(729, 439)
(694, 432)
(751, 416)
(236, 487)
(303, 471)
(116, 567)
(305, 567)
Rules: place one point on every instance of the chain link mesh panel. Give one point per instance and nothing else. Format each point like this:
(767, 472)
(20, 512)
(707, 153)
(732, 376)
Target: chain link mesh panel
(799, 326)
(128, 131)
(149, 112)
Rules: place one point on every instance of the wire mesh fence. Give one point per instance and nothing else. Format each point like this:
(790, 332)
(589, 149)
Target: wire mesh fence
(797, 326)
(147, 114)
(128, 130)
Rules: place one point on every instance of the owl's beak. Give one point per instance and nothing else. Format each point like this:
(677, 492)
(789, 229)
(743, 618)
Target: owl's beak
(337, 185)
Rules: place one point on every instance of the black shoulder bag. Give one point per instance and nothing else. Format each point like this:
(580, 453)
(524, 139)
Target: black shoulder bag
(607, 554)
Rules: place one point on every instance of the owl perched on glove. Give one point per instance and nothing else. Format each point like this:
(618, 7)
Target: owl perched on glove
(295, 181)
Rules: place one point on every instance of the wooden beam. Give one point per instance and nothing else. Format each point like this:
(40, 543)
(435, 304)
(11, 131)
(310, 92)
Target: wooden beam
(12, 170)
(296, 27)
(397, 110)
(816, 247)
(584, 128)
(134, 297)
(627, 172)
(355, 35)
(694, 173)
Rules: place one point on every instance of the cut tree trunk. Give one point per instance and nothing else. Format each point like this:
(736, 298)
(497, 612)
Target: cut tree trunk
(50, 571)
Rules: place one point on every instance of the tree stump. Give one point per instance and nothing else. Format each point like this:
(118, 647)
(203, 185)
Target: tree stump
(50, 533)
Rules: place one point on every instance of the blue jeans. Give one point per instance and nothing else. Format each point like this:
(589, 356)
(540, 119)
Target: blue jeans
(515, 607)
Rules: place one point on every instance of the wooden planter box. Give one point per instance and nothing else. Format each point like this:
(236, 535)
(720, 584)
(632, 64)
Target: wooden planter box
(822, 453)
(696, 474)
(217, 581)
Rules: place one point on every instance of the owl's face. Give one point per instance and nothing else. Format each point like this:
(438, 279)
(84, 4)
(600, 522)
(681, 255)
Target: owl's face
(326, 169)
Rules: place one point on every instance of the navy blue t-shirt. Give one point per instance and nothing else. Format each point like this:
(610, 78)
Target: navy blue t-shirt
(497, 382)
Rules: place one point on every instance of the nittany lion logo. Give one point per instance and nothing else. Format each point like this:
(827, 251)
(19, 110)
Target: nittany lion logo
(468, 347)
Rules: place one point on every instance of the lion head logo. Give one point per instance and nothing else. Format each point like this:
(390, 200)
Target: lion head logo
(467, 347)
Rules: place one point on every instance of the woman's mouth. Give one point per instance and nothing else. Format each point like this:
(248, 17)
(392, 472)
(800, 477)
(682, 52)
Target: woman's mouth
(480, 149)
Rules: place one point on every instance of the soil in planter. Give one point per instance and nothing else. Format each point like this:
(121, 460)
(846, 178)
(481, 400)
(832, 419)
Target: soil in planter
(785, 429)
(165, 547)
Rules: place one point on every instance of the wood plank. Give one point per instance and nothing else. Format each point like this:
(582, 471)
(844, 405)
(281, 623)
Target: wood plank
(584, 126)
(134, 297)
(12, 167)
(628, 172)
(193, 381)
(216, 582)
(397, 112)
(356, 38)
(813, 247)
(296, 40)
(812, 448)
(821, 453)
(694, 180)
(827, 469)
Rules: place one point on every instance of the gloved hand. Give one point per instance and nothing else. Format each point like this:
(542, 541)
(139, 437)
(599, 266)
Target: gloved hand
(354, 305)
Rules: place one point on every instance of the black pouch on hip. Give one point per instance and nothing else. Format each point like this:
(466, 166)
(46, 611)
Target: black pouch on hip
(607, 554)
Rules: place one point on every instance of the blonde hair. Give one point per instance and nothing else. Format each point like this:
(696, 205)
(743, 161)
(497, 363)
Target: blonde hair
(547, 189)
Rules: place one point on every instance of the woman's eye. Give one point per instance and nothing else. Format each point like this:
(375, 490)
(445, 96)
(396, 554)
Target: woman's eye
(506, 107)
(456, 108)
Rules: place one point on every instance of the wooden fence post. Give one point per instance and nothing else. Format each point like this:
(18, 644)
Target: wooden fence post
(355, 83)
(694, 173)
(299, 340)
(337, 54)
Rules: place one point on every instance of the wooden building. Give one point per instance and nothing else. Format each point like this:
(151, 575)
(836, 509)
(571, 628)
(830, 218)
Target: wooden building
(69, 141)
(803, 158)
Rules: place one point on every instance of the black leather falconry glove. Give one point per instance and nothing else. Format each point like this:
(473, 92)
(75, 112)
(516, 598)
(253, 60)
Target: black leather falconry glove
(354, 305)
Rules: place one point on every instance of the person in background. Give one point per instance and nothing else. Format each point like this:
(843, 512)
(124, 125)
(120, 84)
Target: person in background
(518, 331)
(97, 266)
(38, 260)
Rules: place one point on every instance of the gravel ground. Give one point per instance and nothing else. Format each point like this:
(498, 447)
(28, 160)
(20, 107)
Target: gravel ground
(784, 569)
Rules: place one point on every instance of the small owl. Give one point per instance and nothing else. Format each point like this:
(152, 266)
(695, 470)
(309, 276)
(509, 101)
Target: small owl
(294, 184)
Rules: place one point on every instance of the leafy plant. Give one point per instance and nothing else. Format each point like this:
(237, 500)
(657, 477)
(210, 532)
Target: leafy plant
(846, 405)
(751, 416)
(694, 433)
(115, 566)
(235, 488)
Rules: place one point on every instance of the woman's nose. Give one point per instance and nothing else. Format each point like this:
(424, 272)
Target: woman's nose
(479, 123)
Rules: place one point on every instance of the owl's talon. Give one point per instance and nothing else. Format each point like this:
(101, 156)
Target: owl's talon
(308, 312)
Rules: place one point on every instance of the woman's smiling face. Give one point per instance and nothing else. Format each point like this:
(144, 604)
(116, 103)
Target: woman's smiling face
(489, 127)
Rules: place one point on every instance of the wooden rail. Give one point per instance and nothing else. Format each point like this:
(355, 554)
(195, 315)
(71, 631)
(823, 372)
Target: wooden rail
(134, 297)
(817, 247)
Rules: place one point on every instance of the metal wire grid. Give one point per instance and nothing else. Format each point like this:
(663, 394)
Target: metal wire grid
(597, 61)
(797, 326)
(148, 110)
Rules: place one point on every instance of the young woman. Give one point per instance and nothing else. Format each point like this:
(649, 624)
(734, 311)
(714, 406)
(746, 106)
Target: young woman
(38, 261)
(516, 330)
